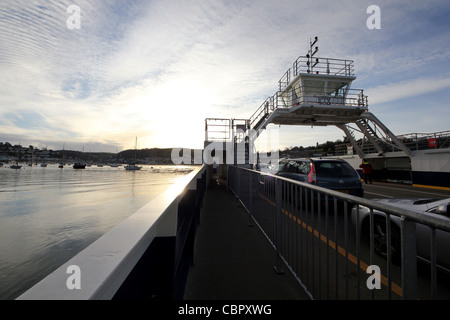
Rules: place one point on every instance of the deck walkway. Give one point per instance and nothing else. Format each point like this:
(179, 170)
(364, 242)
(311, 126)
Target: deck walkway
(233, 261)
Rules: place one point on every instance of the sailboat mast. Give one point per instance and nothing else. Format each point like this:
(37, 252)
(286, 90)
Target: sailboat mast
(135, 151)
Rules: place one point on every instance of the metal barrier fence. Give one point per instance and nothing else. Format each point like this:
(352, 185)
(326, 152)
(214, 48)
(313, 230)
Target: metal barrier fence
(316, 234)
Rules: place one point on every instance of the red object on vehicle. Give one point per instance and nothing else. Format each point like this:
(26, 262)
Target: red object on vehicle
(432, 143)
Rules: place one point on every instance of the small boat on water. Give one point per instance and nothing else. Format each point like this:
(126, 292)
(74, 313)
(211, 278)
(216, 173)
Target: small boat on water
(79, 166)
(132, 167)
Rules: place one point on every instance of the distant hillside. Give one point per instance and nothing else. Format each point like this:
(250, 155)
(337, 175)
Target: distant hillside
(146, 153)
(151, 156)
(9, 152)
(329, 148)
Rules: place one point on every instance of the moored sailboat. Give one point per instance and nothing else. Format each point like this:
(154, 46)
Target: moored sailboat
(133, 166)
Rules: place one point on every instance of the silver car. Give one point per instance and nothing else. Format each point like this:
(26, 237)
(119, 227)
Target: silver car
(423, 232)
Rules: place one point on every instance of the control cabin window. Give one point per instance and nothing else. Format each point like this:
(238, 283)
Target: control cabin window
(336, 88)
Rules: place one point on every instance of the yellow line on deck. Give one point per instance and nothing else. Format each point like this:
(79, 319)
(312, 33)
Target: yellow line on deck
(431, 187)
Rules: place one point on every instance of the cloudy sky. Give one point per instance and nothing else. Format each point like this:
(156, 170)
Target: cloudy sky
(156, 69)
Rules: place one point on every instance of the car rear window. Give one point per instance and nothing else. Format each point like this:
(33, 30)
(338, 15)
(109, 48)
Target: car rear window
(333, 169)
(301, 167)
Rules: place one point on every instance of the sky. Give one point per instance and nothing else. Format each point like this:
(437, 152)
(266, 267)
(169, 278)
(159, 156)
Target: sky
(156, 69)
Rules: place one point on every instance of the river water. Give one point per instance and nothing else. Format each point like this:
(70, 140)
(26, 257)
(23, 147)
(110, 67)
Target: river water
(47, 214)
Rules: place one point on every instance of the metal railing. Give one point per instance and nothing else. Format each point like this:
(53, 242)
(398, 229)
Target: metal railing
(262, 112)
(352, 98)
(329, 66)
(414, 141)
(423, 141)
(308, 65)
(315, 234)
(217, 129)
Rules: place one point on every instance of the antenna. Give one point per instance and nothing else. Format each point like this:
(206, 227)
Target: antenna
(311, 53)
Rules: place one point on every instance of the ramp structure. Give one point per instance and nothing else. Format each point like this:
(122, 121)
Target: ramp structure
(317, 92)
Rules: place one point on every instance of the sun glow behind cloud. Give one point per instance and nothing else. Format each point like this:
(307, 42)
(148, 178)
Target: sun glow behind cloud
(157, 69)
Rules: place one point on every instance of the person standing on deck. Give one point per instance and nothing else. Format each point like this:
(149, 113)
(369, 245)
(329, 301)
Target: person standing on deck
(367, 171)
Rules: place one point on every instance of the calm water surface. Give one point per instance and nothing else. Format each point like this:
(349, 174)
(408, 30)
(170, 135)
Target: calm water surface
(47, 215)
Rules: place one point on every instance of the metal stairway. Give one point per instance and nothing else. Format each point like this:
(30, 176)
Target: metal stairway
(316, 92)
(313, 92)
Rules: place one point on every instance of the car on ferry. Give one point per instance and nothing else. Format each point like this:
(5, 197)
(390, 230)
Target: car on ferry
(333, 174)
(426, 207)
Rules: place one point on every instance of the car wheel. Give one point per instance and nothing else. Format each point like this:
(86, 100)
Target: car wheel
(381, 239)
